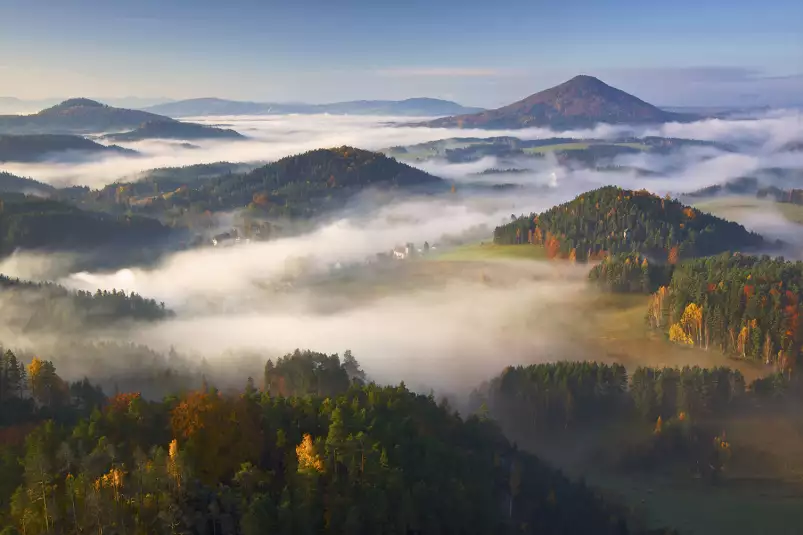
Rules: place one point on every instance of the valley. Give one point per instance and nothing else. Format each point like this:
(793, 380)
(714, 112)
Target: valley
(401, 316)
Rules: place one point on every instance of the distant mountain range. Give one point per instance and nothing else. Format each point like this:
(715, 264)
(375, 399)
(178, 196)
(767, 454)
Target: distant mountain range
(413, 107)
(39, 147)
(13, 105)
(79, 116)
(580, 102)
(170, 129)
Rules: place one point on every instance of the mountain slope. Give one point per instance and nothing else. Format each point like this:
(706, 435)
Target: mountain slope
(170, 129)
(16, 184)
(33, 223)
(421, 107)
(580, 102)
(297, 186)
(38, 147)
(76, 116)
(611, 220)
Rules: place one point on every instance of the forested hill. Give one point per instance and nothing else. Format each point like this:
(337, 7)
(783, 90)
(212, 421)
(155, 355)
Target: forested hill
(33, 223)
(612, 220)
(170, 129)
(17, 184)
(296, 186)
(32, 306)
(76, 116)
(359, 459)
(36, 147)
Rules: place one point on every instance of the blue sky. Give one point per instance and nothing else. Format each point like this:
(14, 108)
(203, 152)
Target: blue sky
(683, 52)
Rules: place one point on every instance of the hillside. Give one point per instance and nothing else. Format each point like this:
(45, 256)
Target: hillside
(30, 306)
(580, 102)
(322, 453)
(422, 107)
(17, 184)
(35, 223)
(76, 116)
(296, 186)
(610, 220)
(38, 147)
(170, 129)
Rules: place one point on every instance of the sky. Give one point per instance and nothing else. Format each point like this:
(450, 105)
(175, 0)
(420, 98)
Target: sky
(682, 53)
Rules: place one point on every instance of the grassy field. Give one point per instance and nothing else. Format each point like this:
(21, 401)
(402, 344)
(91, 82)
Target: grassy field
(736, 207)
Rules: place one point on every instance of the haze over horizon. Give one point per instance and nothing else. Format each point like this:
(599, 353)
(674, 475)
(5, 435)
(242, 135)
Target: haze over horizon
(472, 53)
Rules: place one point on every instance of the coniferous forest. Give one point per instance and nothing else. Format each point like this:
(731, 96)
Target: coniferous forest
(327, 453)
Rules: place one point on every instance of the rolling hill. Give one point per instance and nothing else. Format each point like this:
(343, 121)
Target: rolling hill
(17, 184)
(46, 224)
(413, 107)
(170, 129)
(580, 102)
(611, 220)
(39, 147)
(76, 116)
(84, 116)
(297, 186)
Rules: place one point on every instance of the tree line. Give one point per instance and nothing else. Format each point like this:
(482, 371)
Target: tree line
(46, 305)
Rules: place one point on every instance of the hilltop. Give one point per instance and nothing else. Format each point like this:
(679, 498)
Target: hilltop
(86, 116)
(170, 129)
(296, 186)
(421, 107)
(611, 220)
(580, 102)
(38, 147)
(76, 116)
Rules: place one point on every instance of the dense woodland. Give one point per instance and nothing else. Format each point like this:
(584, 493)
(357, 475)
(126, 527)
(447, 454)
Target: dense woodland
(360, 459)
(746, 306)
(169, 129)
(611, 220)
(676, 413)
(16, 184)
(29, 222)
(630, 273)
(297, 187)
(32, 148)
(49, 306)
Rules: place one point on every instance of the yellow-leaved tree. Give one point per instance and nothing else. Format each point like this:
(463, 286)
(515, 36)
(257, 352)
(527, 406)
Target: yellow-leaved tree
(677, 334)
(692, 322)
(309, 461)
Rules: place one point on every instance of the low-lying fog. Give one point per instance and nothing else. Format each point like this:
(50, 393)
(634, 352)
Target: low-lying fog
(271, 137)
(435, 324)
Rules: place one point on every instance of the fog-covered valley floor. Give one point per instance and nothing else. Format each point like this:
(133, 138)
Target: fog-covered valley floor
(431, 323)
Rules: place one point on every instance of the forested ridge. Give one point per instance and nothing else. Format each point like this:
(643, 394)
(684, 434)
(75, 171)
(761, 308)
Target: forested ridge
(30, 222)
(359, 459)
(611, 220)
(296, 186)
(31, 148)
(54, 307)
